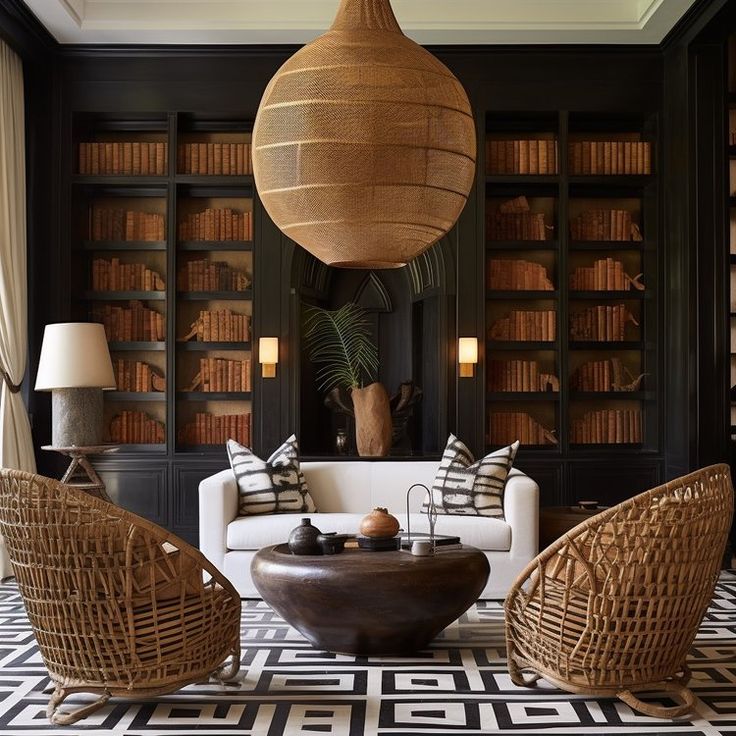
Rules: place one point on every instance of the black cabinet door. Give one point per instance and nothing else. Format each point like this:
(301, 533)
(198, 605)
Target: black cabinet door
(140, 487)
(610, 482)
(185, 497)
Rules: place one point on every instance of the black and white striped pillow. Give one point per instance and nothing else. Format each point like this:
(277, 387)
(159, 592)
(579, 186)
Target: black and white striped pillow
(273, 486)
(464, 486)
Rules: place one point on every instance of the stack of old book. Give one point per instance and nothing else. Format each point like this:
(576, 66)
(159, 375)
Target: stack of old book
(136, 376)
(601, 323)
(136, 428)
(514, 220)
(133, 323)
(123, 158)
(614, 225)
(204, 275)
(208, 429)
(605, 375)
(605, 274)
(610, 157)
(109, 223)
(508, 426)
(607, 426)
(115, 276)
(218, 159)
(520, 375)
(221, 374)
(220, 325)
(517, 275)
(217, 224)
(525, 325)
(522, 156)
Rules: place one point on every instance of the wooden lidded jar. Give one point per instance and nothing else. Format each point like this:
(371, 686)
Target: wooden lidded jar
(379, 524)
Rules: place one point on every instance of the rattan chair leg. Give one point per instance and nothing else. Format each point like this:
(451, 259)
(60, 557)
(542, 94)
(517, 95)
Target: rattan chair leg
(656, 711)
(516, 674)
(64, 718)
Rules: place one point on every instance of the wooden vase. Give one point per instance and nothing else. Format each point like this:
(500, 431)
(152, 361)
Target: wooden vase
(372, 420)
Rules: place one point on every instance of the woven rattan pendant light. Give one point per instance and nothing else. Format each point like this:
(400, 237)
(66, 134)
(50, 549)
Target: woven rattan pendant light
(364, 144)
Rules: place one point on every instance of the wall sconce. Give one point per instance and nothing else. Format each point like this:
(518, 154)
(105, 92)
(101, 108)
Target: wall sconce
(268, 355)
(467, 356)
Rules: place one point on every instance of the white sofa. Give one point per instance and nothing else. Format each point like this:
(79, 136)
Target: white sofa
(344, 492)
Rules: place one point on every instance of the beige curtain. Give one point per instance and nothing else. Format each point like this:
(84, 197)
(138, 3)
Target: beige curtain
(16, 445)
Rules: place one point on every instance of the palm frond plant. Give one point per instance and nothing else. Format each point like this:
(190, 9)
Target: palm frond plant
(340, 342)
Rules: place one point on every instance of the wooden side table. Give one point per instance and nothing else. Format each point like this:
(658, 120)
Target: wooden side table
(554, 521)
(80, 473)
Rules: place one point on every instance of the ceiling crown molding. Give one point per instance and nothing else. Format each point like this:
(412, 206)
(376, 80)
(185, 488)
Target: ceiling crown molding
(299, 21)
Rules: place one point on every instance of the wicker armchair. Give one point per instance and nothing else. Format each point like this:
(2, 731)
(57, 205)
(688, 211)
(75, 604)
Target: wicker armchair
(118, 606)
(612, 608)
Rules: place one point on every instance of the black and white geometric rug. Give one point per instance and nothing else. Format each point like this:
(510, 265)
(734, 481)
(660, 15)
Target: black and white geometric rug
(286, 688)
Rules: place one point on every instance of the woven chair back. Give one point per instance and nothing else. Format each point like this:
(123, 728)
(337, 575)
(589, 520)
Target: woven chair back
(620, 598)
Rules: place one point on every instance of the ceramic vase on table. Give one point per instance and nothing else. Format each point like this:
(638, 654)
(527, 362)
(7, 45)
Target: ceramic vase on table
(373, 427)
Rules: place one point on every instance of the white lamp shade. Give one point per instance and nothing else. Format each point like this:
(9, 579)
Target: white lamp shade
(268, 350)
(467, 350)
(74, 355)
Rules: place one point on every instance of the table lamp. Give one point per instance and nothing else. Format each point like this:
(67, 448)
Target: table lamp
(75, 366)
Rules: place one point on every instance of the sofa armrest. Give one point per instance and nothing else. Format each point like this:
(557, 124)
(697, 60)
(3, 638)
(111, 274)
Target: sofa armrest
(218, 506)
(521, 510)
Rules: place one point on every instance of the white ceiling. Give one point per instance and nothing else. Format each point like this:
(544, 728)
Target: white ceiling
(299, 21)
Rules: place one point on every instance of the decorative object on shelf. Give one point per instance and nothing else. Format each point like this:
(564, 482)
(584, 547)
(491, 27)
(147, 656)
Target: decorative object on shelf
(521, 325)
(605, 375)
(332, 543)
(603, 323)
(467, 356)
(303, 540)
(219, 325)
(340, 341)
(341, 442)
(136, 428)
(379, 524)
(364, 145)
(429, 508)
(135, 376)
(75, 366)
(514, 220)
(81, 473)
(520, 375)
(268, 356)
(615, 225)
(508, 426)
(605, 274)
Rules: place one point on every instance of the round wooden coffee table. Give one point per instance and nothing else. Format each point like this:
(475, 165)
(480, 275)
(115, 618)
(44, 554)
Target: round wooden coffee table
(377, 603)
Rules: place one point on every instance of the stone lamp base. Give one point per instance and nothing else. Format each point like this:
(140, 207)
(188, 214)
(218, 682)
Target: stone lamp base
(76, 417)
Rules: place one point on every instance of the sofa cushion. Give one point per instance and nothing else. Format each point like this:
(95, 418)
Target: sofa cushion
(273, 486)
(469, 488)
(254, 532)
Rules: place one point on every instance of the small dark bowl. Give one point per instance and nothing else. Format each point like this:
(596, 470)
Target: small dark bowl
(588, 505)
(332, 543)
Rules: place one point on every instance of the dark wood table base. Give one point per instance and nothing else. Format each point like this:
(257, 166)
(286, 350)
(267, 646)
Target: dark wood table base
(370, 603)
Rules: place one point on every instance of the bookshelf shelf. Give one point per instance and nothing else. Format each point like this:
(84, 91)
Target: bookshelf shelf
(214, 295)
(609, 245)
(520, 294)
(137, 346)
(135, 396)
(126, 181)
(216, 245)
(214, 180)
(610, 345)
(522, 179)
(613, 395)
(124, 245)
(110, 296)
(610, 295)
(520, 345)
(205, 346)
(499, 396)
(617, 180)
(214, 395)
(522, 245)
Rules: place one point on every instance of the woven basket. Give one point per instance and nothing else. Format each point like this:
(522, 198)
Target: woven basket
(118, 606)
(613, 607)
(364, 145)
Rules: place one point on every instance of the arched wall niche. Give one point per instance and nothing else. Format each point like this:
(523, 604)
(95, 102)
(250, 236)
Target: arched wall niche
(412, 313)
